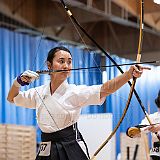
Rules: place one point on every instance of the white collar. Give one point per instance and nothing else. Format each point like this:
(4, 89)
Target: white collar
(59, 90)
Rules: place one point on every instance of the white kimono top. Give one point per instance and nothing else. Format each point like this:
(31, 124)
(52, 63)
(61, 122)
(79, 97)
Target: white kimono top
(62, 108)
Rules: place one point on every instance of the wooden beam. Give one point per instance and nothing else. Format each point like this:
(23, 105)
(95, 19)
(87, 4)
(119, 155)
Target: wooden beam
(25, 15)
(133, 7)
(129, 5)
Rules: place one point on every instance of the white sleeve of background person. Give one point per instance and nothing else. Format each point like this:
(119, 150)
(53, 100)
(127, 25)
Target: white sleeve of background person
(144, 122)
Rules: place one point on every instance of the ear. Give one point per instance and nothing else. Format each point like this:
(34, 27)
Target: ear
(49, 65)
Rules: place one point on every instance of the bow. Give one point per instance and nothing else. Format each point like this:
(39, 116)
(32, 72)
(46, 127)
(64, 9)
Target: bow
(108, 56)
(132, 86)
(139, 54)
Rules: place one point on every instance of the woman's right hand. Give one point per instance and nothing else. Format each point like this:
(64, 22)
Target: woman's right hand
(23, 79)
(26, 78)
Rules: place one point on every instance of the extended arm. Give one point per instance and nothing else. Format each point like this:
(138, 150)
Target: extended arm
(113, 85)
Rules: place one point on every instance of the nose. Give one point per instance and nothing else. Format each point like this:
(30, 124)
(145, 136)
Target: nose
(65, 65)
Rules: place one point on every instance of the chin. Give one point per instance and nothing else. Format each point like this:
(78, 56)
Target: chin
(64, 76)
(67, 74)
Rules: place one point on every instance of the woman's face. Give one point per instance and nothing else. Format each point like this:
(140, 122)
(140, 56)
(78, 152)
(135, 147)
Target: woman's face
(62, 61)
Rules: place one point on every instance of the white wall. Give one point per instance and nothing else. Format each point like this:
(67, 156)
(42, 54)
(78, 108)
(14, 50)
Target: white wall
(95, 128)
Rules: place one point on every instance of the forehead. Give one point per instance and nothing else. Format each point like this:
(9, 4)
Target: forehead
(62, 54)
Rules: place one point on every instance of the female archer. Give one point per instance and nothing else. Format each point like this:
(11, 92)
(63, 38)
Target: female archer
(58, 105)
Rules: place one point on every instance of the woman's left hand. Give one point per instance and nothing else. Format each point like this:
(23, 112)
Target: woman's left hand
(136, 71)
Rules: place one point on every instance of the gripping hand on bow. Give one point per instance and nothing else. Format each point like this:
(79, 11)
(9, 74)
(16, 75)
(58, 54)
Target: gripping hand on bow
(136, 71)
(26, 78)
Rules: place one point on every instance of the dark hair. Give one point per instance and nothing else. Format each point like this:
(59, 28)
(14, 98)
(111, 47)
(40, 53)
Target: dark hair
(52, 52)
(157, 100)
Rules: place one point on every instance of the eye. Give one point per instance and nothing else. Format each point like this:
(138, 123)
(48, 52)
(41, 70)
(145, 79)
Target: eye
(69, 62)
(61, 61)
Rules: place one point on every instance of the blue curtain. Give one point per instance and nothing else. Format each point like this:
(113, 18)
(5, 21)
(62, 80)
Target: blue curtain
(147, 87)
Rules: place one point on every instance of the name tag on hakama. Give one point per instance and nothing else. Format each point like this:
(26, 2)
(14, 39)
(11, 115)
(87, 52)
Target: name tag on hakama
(44, 149)
(155, 151)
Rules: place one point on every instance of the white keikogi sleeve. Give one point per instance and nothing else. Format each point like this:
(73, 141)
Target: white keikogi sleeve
(145, 122)
(89, 95)
(26, 99)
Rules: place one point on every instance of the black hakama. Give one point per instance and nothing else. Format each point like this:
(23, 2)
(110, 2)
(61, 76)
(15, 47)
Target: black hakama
(62, 145)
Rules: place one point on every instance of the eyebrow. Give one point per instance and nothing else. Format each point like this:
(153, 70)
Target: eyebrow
(64, 58)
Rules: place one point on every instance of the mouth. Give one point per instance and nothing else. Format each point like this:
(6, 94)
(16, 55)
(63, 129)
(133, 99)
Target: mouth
(63, 70)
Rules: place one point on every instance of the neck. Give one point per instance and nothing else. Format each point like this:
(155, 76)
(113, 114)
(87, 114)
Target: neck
(55, 84)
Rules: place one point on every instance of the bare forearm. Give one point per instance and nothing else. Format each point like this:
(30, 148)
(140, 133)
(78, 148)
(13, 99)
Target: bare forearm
(111, 86)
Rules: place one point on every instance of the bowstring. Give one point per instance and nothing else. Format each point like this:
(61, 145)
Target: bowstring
(33, 84)
(76, 28)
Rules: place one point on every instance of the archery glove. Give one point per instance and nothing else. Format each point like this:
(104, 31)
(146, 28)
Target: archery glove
(133, 131)
(29, 77)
